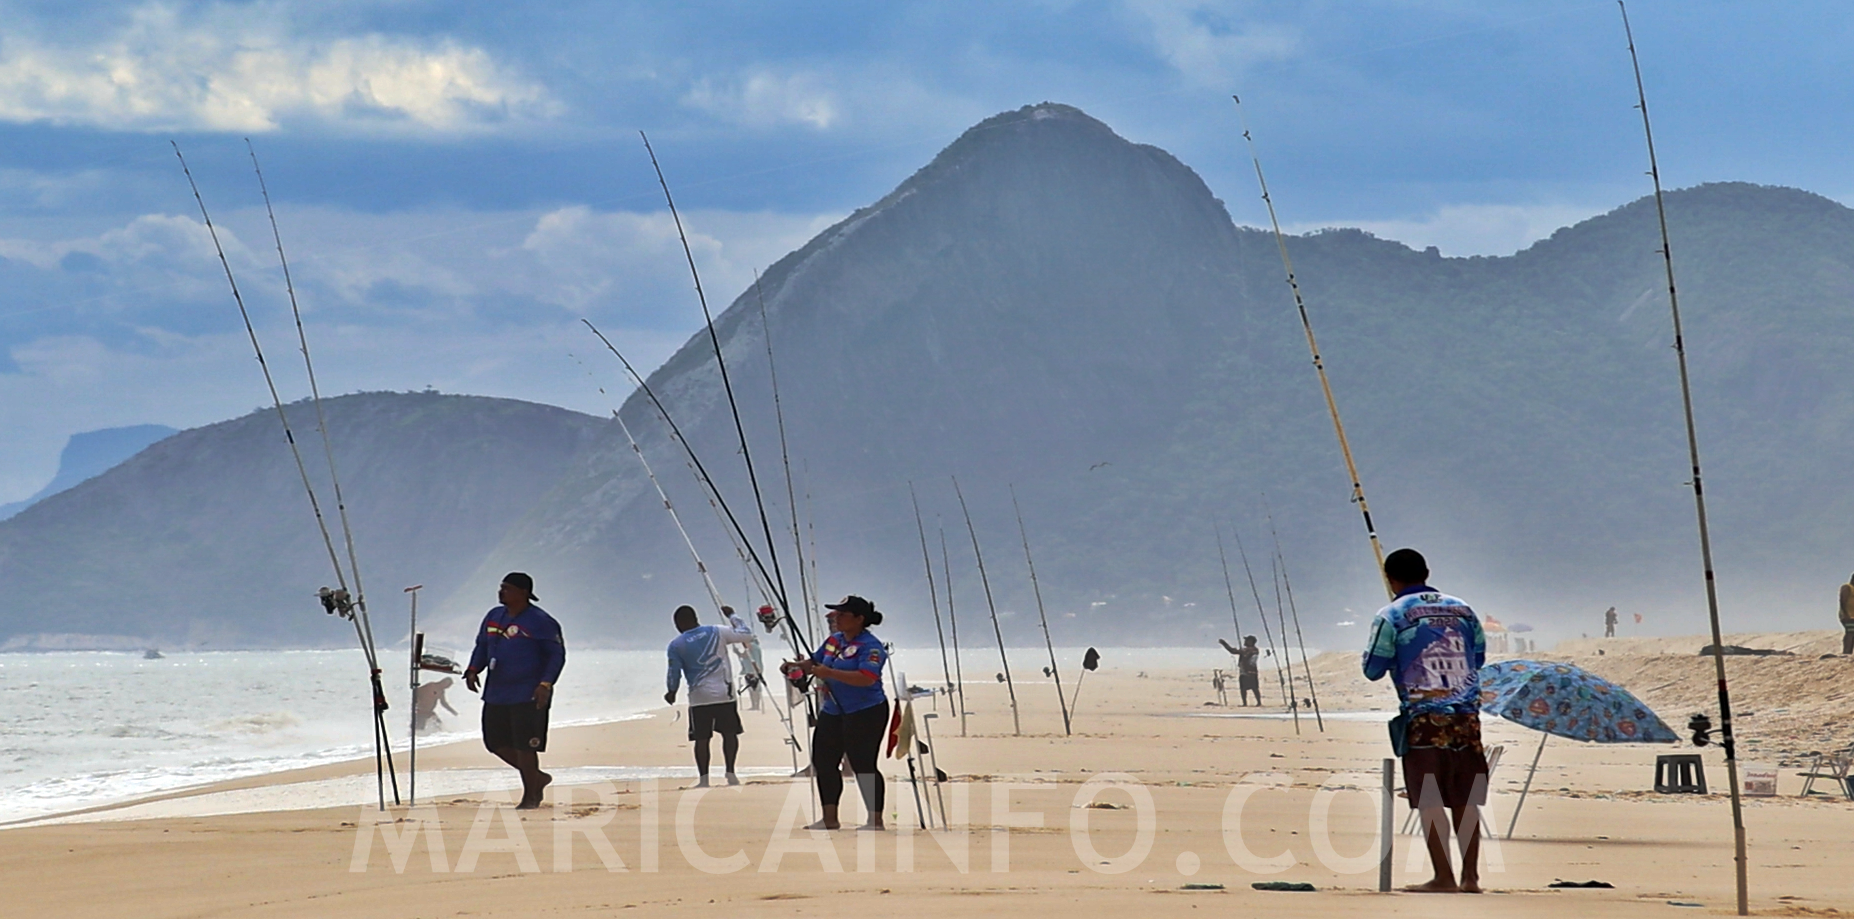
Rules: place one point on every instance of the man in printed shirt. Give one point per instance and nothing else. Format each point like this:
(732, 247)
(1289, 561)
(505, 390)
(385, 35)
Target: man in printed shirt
(700, 653)
(520, 646)
(1432, 646)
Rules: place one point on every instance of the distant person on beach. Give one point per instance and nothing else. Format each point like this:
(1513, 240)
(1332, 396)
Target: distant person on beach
(1432, 646)
(1248, 674)
(1609, 623)
(520, 646)
(1847, 617)
(854, 720)
(700, 653)
(430, 696)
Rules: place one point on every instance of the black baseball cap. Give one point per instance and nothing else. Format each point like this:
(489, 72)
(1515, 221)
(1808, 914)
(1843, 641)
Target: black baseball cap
(522, 580)
(857, 606)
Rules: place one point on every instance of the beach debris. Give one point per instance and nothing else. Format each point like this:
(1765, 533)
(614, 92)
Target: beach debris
(1741, 651)
(1293, 886)
(1202, 887)
(1603, 885)
(1683, 903)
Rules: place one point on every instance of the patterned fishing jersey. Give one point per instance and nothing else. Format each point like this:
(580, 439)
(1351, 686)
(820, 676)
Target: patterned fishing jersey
(1433, 647)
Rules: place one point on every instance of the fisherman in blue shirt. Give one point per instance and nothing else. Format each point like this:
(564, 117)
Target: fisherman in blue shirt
(520, 646)
(1432, 647)
(854, 720)
(700, 653)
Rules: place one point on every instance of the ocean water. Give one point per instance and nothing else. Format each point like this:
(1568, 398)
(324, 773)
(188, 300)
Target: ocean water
(88, 728)
(85, 728)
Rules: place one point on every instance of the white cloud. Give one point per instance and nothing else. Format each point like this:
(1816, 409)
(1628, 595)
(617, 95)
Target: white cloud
(246, 70)
(392, 301)
(1207, 42)
(763, 98)
(588, 258)
(1472, 229)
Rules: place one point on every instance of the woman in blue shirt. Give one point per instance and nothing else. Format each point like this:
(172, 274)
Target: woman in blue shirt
(848, 668)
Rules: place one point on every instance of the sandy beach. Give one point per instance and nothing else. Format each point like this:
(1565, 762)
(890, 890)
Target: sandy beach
(1184, 792)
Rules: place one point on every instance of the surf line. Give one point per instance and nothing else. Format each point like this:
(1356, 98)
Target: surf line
(349, 606)
(1017, 725)
(1055, 672)
(772, 548)
(1319, 363)
(1699, 493)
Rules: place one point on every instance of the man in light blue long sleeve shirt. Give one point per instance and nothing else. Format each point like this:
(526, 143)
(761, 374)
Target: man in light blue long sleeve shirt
(700, 653)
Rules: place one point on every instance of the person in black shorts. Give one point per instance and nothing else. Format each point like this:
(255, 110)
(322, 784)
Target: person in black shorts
(1432, 647)
(520, 647)
(700, 654)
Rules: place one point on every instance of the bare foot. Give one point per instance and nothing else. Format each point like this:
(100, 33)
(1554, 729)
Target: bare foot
(1434, 885)
(1470, 885)
(876, 826)
(733, 779)
(825, 825)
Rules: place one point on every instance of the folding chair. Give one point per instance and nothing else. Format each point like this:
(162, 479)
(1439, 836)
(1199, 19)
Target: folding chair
(1412, 822)
(1833, 767)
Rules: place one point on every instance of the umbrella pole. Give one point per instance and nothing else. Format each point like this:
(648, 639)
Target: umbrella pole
(1528, 787)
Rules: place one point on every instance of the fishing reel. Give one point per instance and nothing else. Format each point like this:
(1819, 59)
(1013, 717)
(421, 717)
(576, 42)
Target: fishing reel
(769, 617)
(336, 602)
(796, 677)
(1701, 726)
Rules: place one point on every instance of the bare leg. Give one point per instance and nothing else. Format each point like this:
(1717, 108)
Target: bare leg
(730, 751)
(830, 819)
(1435, 834)
(701, 763)
(533, 780)
(1468, 828)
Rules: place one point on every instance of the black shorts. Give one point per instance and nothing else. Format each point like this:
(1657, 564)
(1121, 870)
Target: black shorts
(1458, 776)
(520, 726)
(1250, 681)
(706, 720)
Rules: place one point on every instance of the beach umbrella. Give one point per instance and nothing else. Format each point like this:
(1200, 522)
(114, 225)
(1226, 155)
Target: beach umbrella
(1568, 701)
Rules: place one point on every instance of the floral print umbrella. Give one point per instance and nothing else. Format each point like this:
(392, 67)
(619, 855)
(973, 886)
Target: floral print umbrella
(1569, 701)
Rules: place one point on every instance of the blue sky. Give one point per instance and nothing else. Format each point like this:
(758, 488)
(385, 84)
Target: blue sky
(459, 183)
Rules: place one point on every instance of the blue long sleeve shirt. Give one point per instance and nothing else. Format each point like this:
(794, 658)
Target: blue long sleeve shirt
(518, 653)
(1432, 646)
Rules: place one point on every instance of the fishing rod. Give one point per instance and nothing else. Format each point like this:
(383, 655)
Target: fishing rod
(315, 397)
(1319, 364)
(800, 644)
(952, 618)
(1699, 493)
(1017, 726)
(727, 385)
(333, 601)
(1228, 586)
(933, 597)
(1274, 571)
(1054, 672)
(362, 619)
(785, 456)
(816, 609)
(1262, 615)
(1313, 692)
